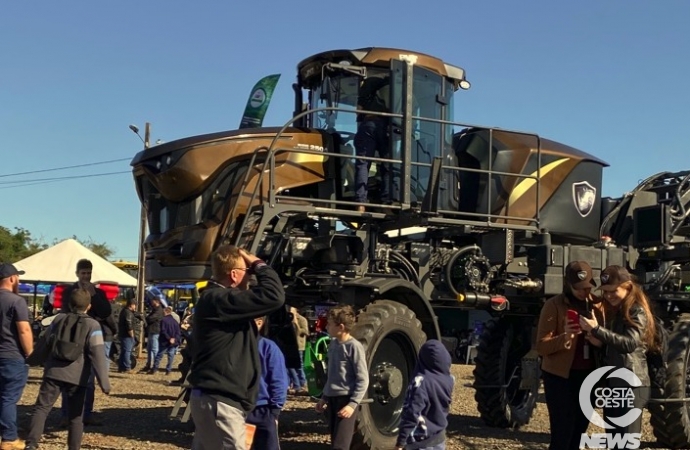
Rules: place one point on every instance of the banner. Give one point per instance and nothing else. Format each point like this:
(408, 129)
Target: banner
(258, 102)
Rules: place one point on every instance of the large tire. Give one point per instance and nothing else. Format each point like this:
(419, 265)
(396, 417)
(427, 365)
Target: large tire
(671, 421)
(500, 401)
(392, 337)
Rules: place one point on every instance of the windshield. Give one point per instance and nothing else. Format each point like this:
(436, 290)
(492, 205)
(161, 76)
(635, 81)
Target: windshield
(341, 90)
(432, 98)
(209, 207)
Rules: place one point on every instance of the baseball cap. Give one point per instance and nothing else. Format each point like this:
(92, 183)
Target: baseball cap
(7, 270)
(613, 276)
(578, 274)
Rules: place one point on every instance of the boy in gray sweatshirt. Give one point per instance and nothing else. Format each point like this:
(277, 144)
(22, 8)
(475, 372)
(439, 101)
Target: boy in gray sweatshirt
(348, 377)
(71, 376)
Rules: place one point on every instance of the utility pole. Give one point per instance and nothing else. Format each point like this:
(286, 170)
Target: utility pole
(141, 278)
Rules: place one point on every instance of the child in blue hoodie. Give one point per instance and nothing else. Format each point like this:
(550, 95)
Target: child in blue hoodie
(424, 416)
(273, 388)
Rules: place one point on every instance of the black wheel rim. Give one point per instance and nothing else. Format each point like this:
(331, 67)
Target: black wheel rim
(395, 350)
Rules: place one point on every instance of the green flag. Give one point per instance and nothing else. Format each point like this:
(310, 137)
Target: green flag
(258, 101)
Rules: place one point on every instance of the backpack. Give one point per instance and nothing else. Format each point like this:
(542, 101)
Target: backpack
(69, 338)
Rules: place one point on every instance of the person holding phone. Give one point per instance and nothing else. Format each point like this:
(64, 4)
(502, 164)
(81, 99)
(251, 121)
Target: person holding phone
(627, 335)
(568, 355)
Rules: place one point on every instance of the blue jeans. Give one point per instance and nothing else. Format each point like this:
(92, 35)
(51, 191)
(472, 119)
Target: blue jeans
(266, 434)
(107, 345)
(165, 349)
(298, 378)
(126, 346)
(152, 348)
(13, 376)
(372, 135)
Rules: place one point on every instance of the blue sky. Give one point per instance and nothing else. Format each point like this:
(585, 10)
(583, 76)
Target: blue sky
(609, 78)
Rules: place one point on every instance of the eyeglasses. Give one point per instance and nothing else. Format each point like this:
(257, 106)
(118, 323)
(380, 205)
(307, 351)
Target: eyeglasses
(248, 269)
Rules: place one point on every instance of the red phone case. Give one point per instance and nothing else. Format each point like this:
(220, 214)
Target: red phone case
(573, 316)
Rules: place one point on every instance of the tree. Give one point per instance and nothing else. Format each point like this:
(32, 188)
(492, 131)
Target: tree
(100, 248)
(18, 244)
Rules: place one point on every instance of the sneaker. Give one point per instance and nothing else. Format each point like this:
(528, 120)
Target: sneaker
(167, 372)
(17, 444)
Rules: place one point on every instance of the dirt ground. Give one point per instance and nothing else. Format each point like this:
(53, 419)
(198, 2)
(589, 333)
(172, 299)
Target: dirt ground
(136, 416)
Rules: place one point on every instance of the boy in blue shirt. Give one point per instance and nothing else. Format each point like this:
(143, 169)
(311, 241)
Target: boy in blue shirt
(273, 388)
(424, 415)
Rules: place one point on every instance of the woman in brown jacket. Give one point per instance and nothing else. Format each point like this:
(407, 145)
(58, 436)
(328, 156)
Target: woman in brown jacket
(568, 354)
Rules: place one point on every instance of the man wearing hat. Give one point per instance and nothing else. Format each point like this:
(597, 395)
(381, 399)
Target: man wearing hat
(16, 344)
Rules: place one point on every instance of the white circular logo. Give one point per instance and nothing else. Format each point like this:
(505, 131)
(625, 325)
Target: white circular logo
(609, 397)
(258, 98)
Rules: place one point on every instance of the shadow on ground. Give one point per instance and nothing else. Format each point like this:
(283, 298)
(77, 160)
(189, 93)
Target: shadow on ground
(145, 425)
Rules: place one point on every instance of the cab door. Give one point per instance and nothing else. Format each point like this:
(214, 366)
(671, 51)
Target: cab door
(429, 101)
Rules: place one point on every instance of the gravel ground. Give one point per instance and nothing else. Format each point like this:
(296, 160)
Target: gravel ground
(136, 416)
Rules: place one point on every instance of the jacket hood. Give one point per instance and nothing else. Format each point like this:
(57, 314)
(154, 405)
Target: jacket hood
(434, 357)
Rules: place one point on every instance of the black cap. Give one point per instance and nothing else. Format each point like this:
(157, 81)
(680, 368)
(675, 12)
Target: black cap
(7, 270)
(578, 274)
(613, 276)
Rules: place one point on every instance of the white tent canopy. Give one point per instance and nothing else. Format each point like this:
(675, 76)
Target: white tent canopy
(58, 264)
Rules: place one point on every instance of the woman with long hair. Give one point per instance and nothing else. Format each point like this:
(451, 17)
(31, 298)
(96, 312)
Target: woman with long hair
(568, 355)
(626, 337)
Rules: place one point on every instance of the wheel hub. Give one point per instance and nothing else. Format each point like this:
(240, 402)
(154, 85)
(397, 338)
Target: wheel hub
(388, 382)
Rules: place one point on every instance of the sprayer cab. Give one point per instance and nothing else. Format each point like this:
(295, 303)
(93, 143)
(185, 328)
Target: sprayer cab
(336, 90)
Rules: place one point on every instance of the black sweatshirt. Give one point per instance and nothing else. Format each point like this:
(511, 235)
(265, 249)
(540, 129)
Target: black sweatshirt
(225, 355)
(101, 310)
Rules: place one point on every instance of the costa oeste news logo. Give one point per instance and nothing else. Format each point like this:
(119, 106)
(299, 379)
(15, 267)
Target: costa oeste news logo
(610, 397)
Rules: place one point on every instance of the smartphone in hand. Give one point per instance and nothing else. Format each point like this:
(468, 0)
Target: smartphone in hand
(574, 318)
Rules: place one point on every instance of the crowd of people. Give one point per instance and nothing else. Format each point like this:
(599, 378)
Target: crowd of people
(86, 323)
(240, 379)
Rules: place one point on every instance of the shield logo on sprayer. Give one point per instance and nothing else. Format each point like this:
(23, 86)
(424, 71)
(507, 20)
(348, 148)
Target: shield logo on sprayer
(584, 197)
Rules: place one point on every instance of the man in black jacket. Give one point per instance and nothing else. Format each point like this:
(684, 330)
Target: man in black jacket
(126, 330)
(102, 311)
(226, 369)
(153, 331)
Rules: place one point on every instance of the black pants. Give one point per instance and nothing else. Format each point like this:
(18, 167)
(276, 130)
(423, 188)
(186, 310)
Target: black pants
(47, 396)
(341, 429)
(372, 135)
(641, 395)
(266, 434)
(565, 417)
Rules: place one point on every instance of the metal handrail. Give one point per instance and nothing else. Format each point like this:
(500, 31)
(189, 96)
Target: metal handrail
(272, 150)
